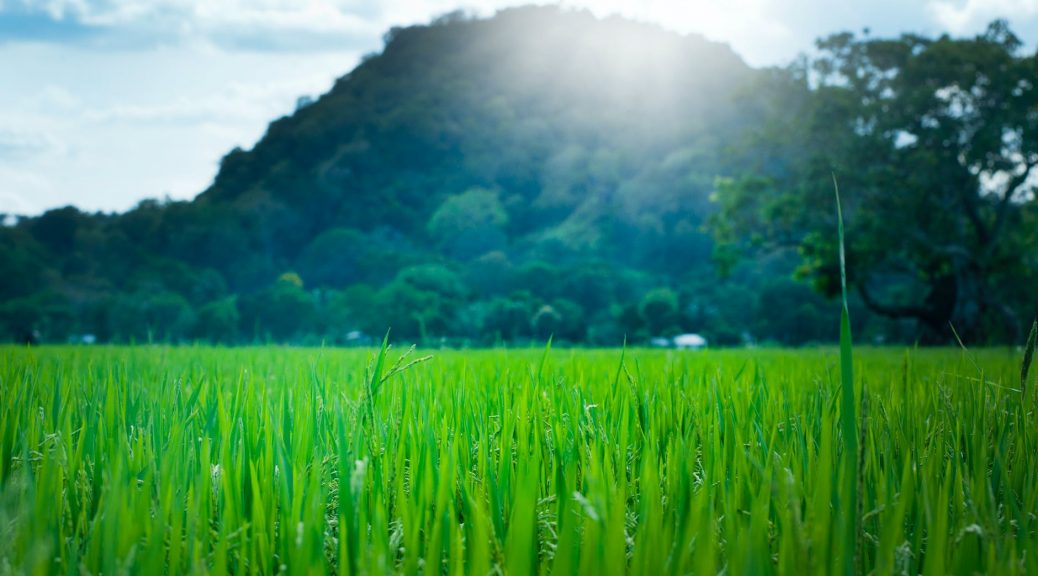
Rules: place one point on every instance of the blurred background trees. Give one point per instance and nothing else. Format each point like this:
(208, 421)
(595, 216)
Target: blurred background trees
(478, 183)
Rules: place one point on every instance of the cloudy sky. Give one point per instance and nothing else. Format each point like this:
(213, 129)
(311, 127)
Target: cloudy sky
(106, 102)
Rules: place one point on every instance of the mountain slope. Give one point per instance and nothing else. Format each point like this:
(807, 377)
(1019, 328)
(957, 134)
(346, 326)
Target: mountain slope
(556, 110)
(538, 171)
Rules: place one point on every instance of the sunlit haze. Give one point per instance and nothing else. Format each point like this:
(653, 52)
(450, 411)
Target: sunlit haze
(104, 103)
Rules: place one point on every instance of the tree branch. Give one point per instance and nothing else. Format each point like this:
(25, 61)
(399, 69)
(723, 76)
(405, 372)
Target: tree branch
(890, 310)
(969, 203)
(951, 250)
(1007, 199)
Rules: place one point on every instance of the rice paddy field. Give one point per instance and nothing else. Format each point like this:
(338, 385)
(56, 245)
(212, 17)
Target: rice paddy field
(173, 460)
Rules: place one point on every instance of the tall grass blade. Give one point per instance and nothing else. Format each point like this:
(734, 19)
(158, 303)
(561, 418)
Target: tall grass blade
(1025, 367)
(848, 419)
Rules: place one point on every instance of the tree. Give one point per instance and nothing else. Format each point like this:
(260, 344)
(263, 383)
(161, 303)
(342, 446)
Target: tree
(21, 264)
(353, 308)
(282, 311)
(540, 278)
(218, 321)
(570, 323)
(489, 274)
(43, 317)
(545, 322)
(56, 229)
(659, 311)
(935, 143)
(507, 319)
(152, 316)
(332, 258)
(469, 224)
(421, 302)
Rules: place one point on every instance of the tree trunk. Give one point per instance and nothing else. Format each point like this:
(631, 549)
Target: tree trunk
(954, 299)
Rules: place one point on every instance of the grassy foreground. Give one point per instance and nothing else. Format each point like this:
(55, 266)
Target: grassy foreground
(160, 460)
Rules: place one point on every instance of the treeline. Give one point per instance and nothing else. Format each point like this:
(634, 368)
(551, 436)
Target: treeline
(486, 300)
(545, 172)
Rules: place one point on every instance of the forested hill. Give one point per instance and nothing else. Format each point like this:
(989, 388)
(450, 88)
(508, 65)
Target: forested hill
(538, 172)
(542, 125)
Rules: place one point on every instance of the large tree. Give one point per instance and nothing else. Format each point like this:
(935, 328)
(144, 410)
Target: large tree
(935, 144)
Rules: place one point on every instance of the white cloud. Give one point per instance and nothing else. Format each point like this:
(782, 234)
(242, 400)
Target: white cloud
(238, 101)
(147, 101)
(13, 204)
(105, 129)
(58, 98)
(249, 24)
(967, 16)
(18, 144)
(17, 187)
(746, 23)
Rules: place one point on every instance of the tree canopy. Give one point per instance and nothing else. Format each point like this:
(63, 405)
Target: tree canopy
(935, 144)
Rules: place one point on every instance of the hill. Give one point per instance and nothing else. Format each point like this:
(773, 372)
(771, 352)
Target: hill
(538, 172)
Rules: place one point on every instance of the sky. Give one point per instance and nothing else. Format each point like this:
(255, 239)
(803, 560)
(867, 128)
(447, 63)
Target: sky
(106, 102)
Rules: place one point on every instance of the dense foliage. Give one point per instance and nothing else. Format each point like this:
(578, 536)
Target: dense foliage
(539, 172)
(481, 180)
(935, 143)
(153, 460)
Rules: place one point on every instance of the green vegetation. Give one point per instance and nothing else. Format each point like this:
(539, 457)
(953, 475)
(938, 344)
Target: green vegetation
(545, 172)
(258, 460)
(469, 168)
(935, 142)
(505, 181)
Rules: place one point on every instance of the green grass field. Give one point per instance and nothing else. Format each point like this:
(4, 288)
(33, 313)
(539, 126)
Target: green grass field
(157, 460)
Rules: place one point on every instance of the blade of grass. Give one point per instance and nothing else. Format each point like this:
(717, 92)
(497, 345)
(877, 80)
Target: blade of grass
(1025, 366)
(848, 420)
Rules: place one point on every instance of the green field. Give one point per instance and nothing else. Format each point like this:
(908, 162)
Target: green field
(157, 460)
